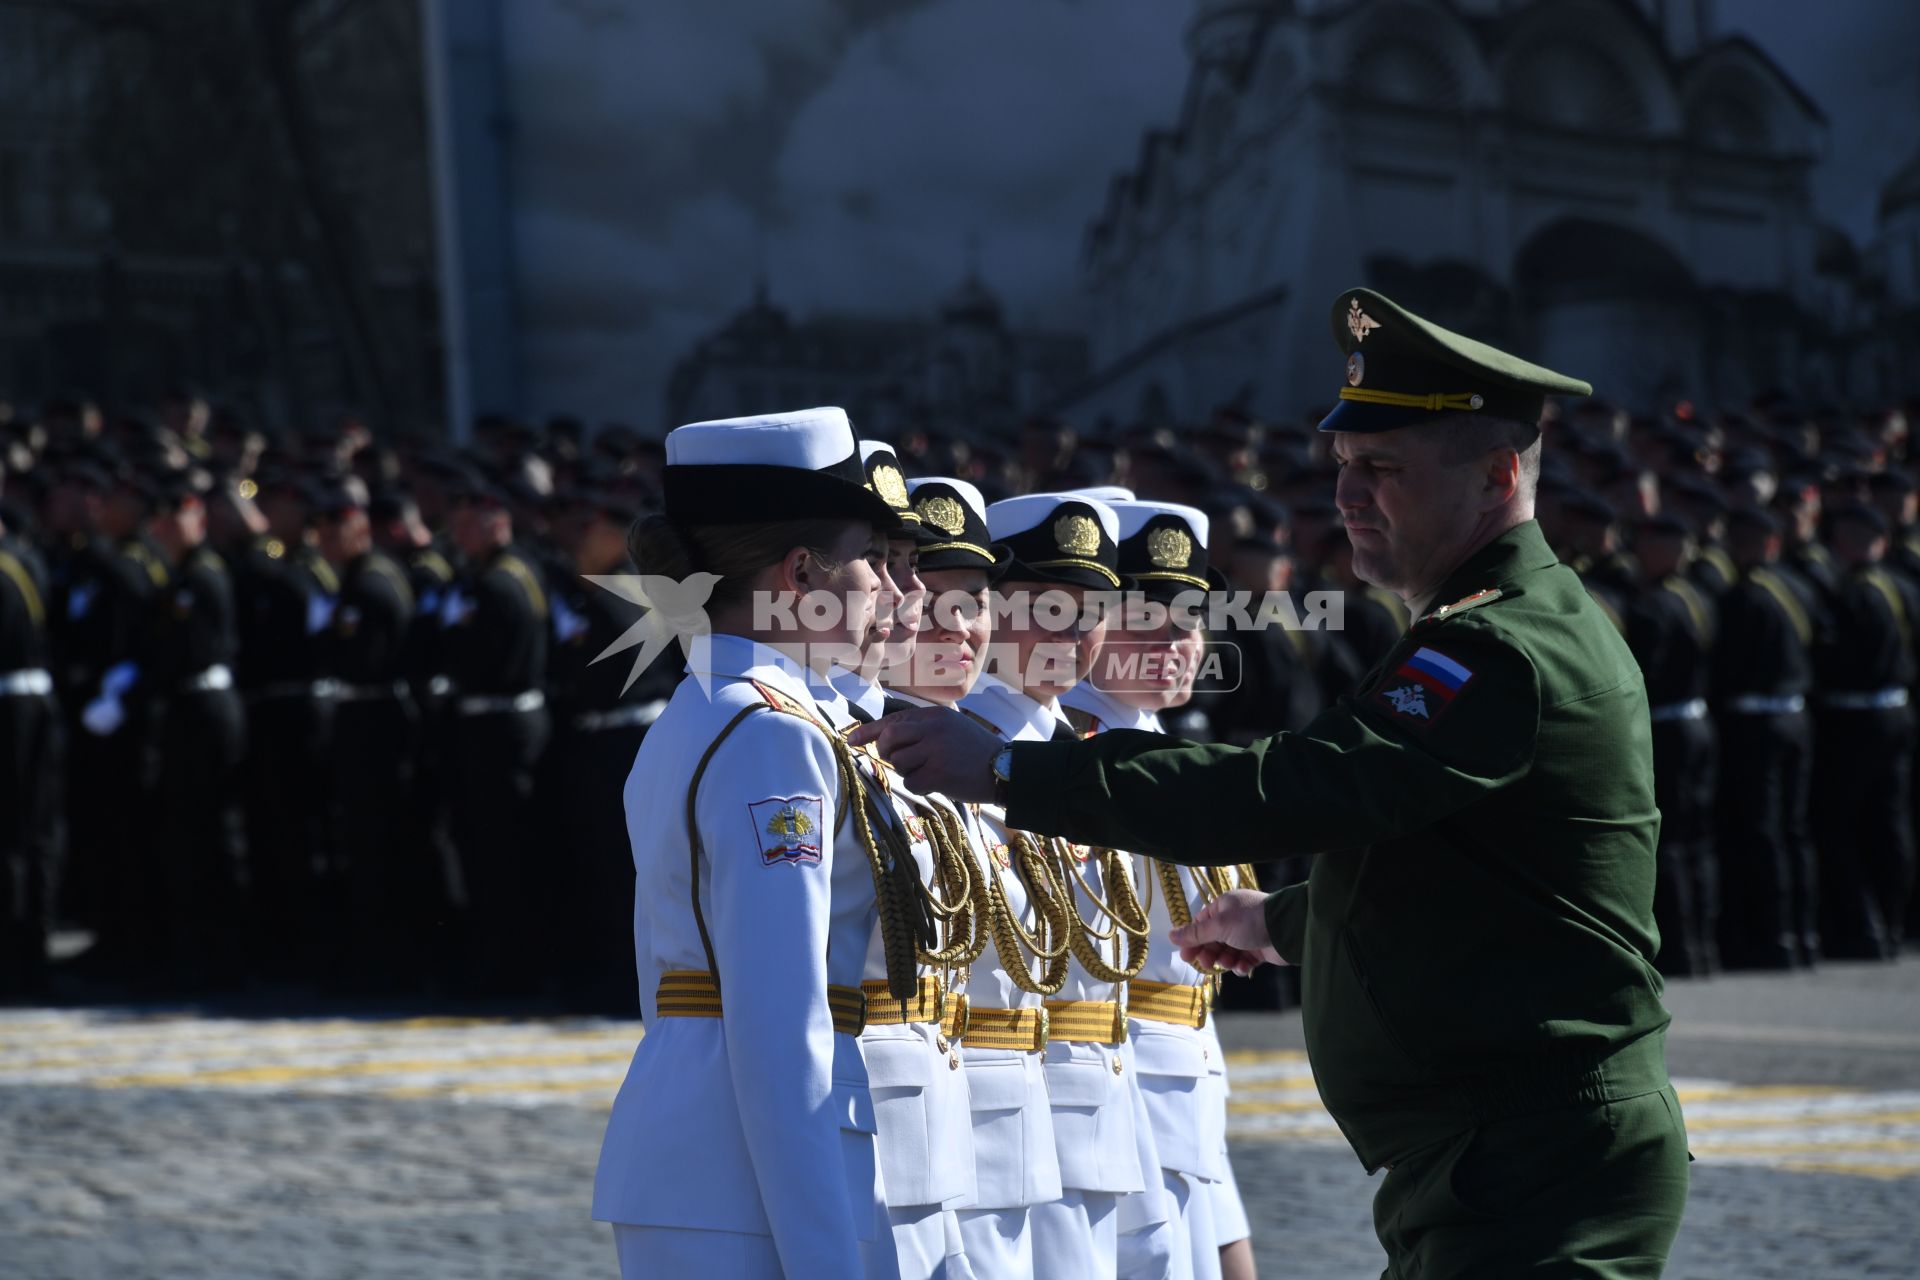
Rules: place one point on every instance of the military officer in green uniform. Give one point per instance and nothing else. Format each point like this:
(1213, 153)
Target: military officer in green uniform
(1476, 939)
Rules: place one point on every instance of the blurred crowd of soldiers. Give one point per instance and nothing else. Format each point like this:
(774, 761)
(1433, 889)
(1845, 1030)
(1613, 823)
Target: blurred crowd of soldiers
(322, 710)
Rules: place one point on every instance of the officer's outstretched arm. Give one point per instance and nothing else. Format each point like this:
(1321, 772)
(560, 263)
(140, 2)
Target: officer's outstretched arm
(1430, 739)
(766, 813)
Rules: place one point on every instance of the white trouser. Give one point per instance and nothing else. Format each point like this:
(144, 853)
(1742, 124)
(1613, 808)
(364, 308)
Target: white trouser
(1074, 1237)
(1229, 1212)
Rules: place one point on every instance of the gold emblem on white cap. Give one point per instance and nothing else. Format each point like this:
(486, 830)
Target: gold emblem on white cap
(943, 513)
(1077, 535)
(892, 488)
(1169, 548)
(1359, 323)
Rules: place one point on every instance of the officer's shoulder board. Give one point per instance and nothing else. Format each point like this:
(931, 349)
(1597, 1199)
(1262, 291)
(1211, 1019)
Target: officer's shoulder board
(1459, 607)
(433, 564)
(15, 570)
(155, 569)
(206, 558)
(382, 567)
(518, 570)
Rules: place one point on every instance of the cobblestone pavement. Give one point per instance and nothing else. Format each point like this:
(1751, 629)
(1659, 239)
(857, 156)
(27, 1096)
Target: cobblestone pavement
(140, 1143)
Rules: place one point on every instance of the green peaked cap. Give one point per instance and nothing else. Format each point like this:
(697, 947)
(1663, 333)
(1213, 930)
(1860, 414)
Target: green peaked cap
(1402, 370)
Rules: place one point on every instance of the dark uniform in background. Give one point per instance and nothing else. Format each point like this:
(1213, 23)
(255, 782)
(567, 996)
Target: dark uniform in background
(1670, 628)
(198, 878)
(494, 640)
(96, 622)
(394, 906)
(1484, 806)
(597, 729)
(30, 748)
(1763, 674)
(1865, 759)
(283, 595)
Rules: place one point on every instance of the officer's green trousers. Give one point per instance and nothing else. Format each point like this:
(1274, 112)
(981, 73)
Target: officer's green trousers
(1589, 1191)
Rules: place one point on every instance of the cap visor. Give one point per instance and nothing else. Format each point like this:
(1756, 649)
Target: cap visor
(1367, 419)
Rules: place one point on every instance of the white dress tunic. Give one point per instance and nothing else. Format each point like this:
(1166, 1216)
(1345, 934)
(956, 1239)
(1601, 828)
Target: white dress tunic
(742, 1145)
(1182, 1069)
(1097, 1134)
(1015, 1165)
(924, 1132)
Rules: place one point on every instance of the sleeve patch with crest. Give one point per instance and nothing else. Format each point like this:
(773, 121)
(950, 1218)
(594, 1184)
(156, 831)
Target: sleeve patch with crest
(788, 828)
(1421, 689)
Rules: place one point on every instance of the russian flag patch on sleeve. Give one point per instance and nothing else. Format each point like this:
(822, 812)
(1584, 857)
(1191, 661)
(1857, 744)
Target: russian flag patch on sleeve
(1421, 689)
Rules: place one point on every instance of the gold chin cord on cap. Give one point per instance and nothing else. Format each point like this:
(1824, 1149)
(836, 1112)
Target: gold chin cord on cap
(1433, 401)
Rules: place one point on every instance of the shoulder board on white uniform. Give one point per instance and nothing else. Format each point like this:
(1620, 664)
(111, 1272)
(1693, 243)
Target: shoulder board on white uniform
(1084, 722)
(1460, 606)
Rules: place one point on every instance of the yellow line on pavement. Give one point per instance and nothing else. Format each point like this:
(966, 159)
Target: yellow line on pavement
(269, 1050)
(608, 1084)
(1244, 1056)
(1885, 1172)
(1823, 1119)
(1725, 1092)
(274, 1075)
(1264, 1106)
(1808, 1148)
(189, 1031)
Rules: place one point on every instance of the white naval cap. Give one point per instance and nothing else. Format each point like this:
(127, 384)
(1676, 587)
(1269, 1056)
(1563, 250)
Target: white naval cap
(953, 520)
(775, 466)
(1059, 537)
(1105, 493)
(1163, 547)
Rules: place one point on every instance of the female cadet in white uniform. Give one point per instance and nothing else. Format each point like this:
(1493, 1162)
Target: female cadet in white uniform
(924, 1138)
(1163, 550)
(1015, 1163)
(741, 1143)
(1066, 545)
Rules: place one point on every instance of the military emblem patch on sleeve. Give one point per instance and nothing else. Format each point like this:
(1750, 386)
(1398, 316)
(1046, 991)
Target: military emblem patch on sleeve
(788, 828)
(1421, 689)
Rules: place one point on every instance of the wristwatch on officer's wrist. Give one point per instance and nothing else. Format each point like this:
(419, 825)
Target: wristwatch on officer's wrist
(1002, 775)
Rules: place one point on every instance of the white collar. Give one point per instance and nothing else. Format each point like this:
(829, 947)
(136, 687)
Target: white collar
(1107, 709)
(737, 657)
(1017, 715)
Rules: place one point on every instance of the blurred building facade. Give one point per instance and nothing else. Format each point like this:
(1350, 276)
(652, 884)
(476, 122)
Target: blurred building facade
(1605, 185)
(962, 369)
(221, 195)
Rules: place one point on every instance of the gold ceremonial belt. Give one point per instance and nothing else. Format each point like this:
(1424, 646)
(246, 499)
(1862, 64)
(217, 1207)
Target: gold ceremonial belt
(927, 1005)
(1088, 1021)
(691, 993)
(1173, 1002)
(991, 1028)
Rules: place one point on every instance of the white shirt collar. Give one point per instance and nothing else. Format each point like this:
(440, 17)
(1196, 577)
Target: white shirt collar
(864, 694)
(1109, 710)
(1018, 717)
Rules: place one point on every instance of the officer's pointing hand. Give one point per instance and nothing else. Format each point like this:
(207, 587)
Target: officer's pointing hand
(936, 750)
(1228, 933)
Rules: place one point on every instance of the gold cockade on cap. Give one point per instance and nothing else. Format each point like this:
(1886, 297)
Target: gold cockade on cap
(1169, 548)
(943, 513)
(1077, 535)
(891, 486)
